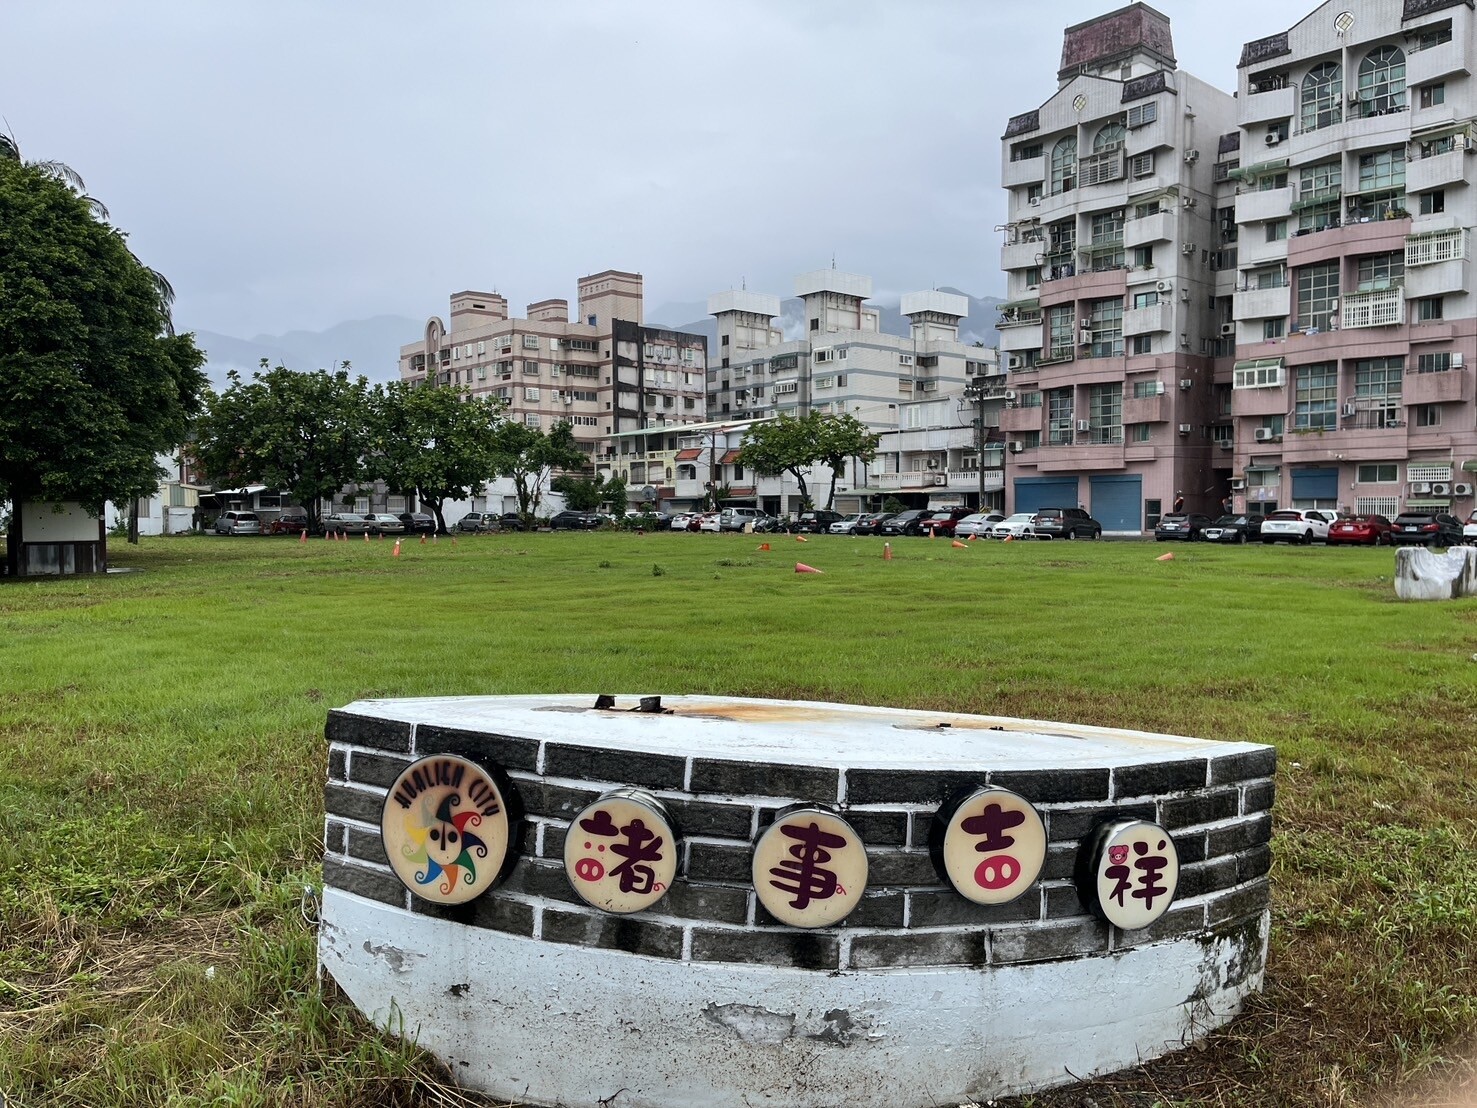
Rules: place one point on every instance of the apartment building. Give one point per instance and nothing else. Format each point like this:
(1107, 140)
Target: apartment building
(1111, 330)
(1353, 315)
(602, 370)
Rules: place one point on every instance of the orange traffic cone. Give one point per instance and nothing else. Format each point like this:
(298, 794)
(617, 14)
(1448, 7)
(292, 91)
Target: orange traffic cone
(933, 532)
(423, 539)
(1165, 557)
(397, 549)
(366, 536)
(764, 546)
(887, 552)
(959, 544)
(801, 567)
(972, 538)
(801, 538)
(304, 536)
(382, 537)
(1008, 538)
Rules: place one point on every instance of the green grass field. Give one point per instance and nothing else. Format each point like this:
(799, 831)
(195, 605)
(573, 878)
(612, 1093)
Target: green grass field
(162, 764)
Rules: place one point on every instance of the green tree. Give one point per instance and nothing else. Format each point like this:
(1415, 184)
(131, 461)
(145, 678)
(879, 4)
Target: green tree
(429, 440)
(839, 438)
(529, 456)
(307, 433)
(784, 445)
(93, 385)
(584, 492)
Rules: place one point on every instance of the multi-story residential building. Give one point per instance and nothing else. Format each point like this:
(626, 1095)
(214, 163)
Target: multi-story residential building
(1111, 328)
(1353, 312)
(604, 371)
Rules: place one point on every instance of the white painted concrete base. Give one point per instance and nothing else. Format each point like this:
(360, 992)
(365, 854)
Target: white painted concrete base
(1422, 574)
(546, 1023)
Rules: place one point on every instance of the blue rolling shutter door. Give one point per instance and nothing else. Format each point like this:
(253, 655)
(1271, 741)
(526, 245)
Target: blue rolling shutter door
(1045, 492)
(1315, 484)
(1118, 502)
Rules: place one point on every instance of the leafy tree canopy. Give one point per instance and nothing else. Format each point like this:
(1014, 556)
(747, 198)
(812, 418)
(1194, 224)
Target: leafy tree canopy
(528, 455)
(791, 444)
(93, 386)
(585, 493)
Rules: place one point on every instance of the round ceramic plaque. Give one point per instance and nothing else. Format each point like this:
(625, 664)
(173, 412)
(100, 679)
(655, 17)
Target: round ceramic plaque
(620, 853)
(1127, 873)
(993, 846)
(810, 868)
(445, 828)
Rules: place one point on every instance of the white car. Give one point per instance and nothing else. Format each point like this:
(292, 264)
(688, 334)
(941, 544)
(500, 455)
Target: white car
(1469, 529)
(845, 526)
(681, 520)
(1304, 525)
(1022, 525)
(977, 525)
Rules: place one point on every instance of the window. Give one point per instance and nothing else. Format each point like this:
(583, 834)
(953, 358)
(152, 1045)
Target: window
(825, 382)
(1429, 308)
(530, 342)
(1381, 183)
(1142, 388)
(1381, 271)
(1059, 416)
(1030, 400)
(1109, 137)
(1145, 299)
(1061, 248)
(1033, 276)
(530, 369)
(1433, 95)
(1143, 257)
(1315, 407)
(1428, 415)
(1141, 165)
(815, 325)
(1061, 331)
(1433, 35)
(1319, 190)
(905, 359)
(1107, 240)
(1382, 81)
(1274, 328)
(1142, 114)
(1030, 439)
(1318, 292)
(1023, 151)
(1034, 191)
(1141, 344)
(1140, 432)
(1433, 363)
(1271, 182)
(1377, 390)
(1323, 97)
(1433, 202)
(1379, 474)
(1276, 230)
(532, 419)
(1105, 319)
(1105, 412)
(1063, 165)
(531, 395)
(1261, 373)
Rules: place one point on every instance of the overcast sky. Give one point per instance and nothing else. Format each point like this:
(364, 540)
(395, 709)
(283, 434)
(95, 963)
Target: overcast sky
(298, 163)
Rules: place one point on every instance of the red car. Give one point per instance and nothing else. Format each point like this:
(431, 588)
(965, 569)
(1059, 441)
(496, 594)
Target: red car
(943, 523)
(1360, 531)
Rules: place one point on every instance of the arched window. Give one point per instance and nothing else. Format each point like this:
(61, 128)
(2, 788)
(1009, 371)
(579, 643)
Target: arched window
(1064, 165)
(1109, 138)
(1323, 92)
(1382, 81)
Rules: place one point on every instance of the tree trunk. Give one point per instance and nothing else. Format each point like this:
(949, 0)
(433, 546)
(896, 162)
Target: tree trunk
(434, 503)
(133, 522)
(804, 492)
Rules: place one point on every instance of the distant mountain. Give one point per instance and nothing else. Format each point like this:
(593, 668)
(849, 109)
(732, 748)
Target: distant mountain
(978, 326)
(371, 346)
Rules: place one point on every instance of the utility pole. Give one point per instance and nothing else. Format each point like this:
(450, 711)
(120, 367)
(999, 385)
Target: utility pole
(975, 393)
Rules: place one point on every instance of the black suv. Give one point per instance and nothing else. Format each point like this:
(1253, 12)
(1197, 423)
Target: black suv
(904, 523)
(1424, 528)
(575, 521)
(1066, 523)
(814, 523)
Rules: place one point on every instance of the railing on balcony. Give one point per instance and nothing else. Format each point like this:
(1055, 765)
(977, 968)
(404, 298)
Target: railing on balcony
(1381, 308)
(1443, 246)
(1013, 317)
(1098, 169)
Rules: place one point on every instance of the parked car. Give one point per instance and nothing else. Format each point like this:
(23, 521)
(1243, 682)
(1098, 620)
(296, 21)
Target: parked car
(1067, 523)
(509, 521)
(977, 524)
(238, 523)
(1426, 528)
(942, 522)
(871, 523)
(1232, 529)
(383, 523)
(845, 526)
(575, 521)
(289, 523)
(904, 523)
(734, 519)
(345, 523)
(477, 521)
(681, 520)
(1304, 525)
(1368, 530)
(418, 523)
(1469, 529)
(1181, 525)
(1021, 525)
(703, 521)
(814, 523)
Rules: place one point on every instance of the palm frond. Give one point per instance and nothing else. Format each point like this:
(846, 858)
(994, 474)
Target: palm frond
(96, 206)
(165, 292)
(8, 147)
(64, 173)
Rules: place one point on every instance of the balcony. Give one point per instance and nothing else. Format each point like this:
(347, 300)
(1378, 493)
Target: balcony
(1146, 409)
(1027, 171)
(1021, 419)
(1432, 249)
(1081, 456)
(1263, 205)
(1381, 308)
(969, 479)
(1434, 62)
(1150, 228)
(1436, 171)
(1100, 169)
(1022, 255)
(1263, 303)
(1374, 444)
(1437, 280)
(1015, 339)
(1264, 107)
(1260, 402)
(1152, 319)
(1454, 386)
(1018, 317)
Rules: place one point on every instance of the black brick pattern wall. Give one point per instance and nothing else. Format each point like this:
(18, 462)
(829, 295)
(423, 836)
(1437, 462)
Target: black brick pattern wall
(1218, 811)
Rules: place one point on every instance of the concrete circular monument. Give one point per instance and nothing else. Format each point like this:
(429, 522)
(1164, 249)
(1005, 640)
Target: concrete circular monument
(945, 889)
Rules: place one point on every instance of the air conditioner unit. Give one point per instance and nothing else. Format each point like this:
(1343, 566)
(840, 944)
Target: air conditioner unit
(1184, 296)
(1187, 382)
(939, 478)
(1184, 428)
(1014, 361)
(1273, 138)
(1188, 202)
(1461, 490)
(1016, 446)
(1188, 249)
(1084, 425)
(1262, 434)
(1035, 201)
(1457, 361)
(568, 398)
(1163, 286)
(1117, 213)
(1084, 337)
(1158, 389)
(1441, 488)
(1237, 484)
(1421, 488)
(1349, 410)
(1010, 394)
(1227, 329)
(1191, 157)
(933, 463)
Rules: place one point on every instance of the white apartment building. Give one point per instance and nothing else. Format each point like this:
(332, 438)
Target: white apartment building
(1354, 320)
(1111, 330)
